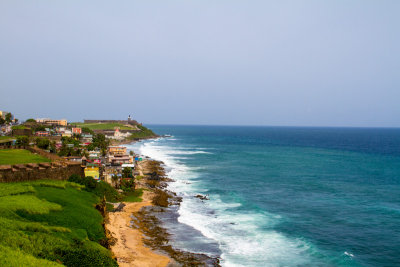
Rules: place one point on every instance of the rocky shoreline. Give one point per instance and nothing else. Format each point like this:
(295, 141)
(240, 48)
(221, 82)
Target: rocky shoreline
(145, 220)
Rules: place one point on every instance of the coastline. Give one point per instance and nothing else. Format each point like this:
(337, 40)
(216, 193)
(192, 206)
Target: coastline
(127, 242)
(138, 237)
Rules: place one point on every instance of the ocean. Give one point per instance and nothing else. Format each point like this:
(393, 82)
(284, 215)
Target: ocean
(283, 196)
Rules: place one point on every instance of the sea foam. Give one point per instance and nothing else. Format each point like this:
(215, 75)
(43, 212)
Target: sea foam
(245, 238)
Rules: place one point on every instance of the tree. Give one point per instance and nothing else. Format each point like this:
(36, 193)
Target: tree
(22, 141)
(15, 120)
(42, 143)
(87, 130)
(128, 185)
(100, 141)
(53, 148)
(131, 153)
(115, 179)
(8, 117)
(127, 172)
(2, 121)
(30, 120)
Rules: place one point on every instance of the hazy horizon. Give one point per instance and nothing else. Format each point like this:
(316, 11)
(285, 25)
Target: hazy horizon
(256, 63)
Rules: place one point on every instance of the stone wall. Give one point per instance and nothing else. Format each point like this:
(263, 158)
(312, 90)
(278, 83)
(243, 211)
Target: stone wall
(131, 122)
(37, 171)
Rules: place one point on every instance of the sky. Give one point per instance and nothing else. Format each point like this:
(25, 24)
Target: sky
(219, 62)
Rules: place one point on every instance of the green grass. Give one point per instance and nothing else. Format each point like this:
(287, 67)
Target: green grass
(6, 138)
(144, 133)
(19, 127)
(49, 223)
(134, 196)
(19, 156)
(103, 126)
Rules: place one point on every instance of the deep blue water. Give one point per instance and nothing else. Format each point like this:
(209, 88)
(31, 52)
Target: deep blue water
(285, 196)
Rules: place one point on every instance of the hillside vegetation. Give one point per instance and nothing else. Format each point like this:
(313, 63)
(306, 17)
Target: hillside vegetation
(19, 156)
(144, 133)
(103, 126)
(50, 223)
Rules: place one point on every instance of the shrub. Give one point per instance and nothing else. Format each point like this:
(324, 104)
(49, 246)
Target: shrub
(22, 141)
(98, 188)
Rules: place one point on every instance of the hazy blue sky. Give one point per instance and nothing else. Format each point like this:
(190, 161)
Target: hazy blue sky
(319, 63)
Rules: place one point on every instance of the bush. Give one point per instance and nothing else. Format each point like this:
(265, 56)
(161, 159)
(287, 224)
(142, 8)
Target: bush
(89, 183)
(128, 185)
(22, 141)
(98, 188)
(42, 143)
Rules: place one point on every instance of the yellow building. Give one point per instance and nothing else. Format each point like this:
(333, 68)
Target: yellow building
(62, 122)
(117, 150)
(92, 171)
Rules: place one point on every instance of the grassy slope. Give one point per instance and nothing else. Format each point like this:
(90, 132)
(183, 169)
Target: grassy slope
(6, 138)
(144, 133)
(19, 127)
(135, 196)
(45, 222)
(19, 156)
(102, 126)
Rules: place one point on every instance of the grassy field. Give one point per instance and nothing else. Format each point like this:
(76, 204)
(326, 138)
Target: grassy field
(6, 138)
(102, 126)
(19, 156)
(19, 127)
(50, 223)
(134, 196)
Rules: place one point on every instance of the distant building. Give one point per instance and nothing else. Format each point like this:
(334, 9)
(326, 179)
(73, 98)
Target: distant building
(62, 122)
(94, 154)
(120, 159)
(117, 150)
(60, 129)
(76, 130)
(42, 133)
(66, 133)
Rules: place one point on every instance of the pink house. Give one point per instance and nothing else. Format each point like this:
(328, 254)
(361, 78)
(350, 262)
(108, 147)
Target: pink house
(76, 130)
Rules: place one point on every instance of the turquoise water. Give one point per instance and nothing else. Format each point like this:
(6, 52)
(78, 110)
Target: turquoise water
(284, 196)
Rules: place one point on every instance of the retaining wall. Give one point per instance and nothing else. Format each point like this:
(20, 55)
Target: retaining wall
(37, 171)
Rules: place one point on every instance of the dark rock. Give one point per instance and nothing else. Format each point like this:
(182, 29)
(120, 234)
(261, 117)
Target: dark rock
(202, 197)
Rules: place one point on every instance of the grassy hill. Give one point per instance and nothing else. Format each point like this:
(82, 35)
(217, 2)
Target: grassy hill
(102, 126)
(50, 223)
(19, 156)
(144, 133)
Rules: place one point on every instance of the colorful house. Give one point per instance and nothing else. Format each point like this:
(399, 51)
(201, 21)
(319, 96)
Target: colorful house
(93, 171)
(117, 150)
(76, 130)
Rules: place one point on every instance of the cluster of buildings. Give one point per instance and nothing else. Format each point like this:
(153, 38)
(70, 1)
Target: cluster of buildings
(112, 164)
(64, 132)
(5, 129)
(62, 122)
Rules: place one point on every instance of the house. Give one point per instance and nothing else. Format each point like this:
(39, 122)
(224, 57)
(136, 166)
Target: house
(60, 129)
(94, 154)
(74, 158)
(92, 170)
(76, 130)
(87, 138)
(67, 133)
(120, 159)
(42, 133)
(117, 150)
(3, 114)
(118, 135)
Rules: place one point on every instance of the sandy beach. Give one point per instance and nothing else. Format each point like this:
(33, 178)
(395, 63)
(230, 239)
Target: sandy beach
(129, 248)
